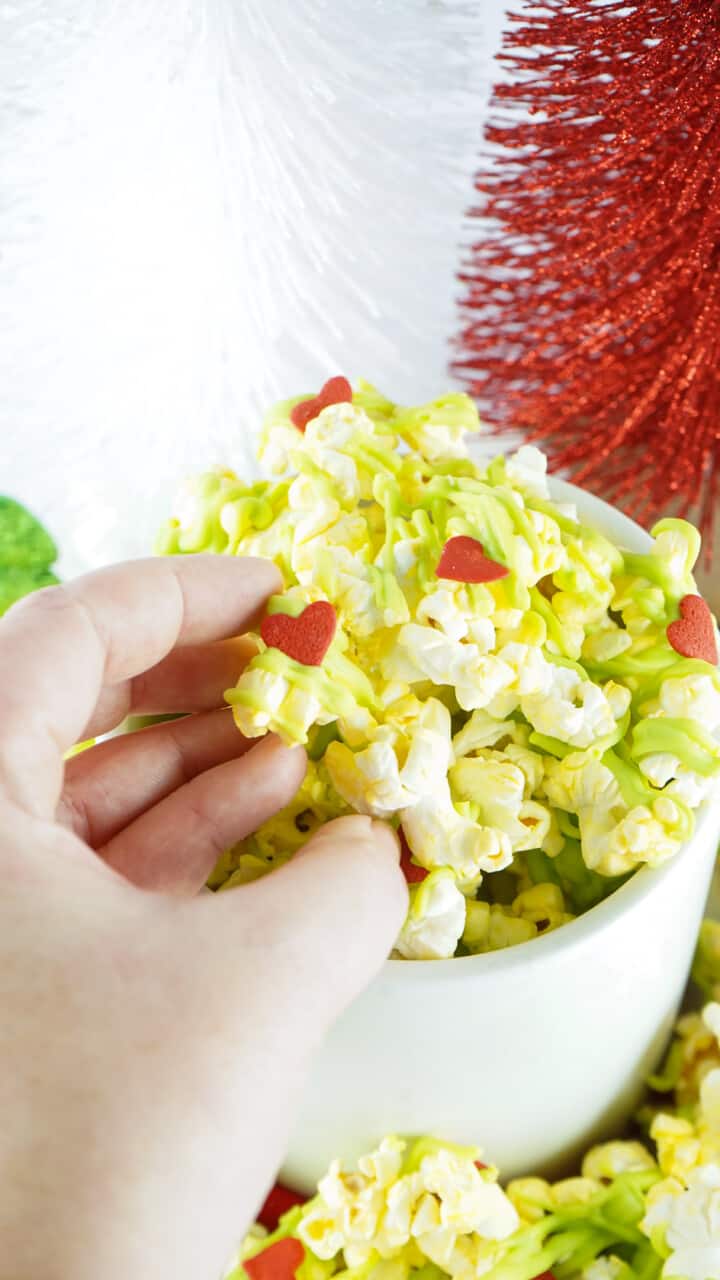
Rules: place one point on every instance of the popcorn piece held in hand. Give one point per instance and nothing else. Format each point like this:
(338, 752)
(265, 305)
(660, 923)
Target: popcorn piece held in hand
(436, 918)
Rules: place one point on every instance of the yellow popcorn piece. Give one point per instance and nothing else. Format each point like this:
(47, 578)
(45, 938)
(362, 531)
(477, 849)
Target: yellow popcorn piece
(574, 1191)
(543, 905)
(581, 781)
(265, 692)
(435, 921)
(678, 1145)
(370, 781)
(527, 470)
(503, 928)
(484, 730)
(531, 1197)
(575, 710)
(608, 1267)
(611, 1159)
(476, 933)
(250, 868)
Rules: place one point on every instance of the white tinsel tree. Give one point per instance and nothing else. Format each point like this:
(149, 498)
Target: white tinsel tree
(207, 204)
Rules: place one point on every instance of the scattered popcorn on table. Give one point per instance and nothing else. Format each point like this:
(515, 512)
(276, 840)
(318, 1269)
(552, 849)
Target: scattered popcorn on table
(538, 708)
(423, 1209)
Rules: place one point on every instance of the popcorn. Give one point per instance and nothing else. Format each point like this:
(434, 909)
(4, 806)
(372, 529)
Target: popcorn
(435, 921)
(683, 1223)
(492, 928)
(498, 678)
(427, 1200)
(422, 1206)
(543, 905)
(484, 730)
(531, 1197)
(370, 780)
(415, 1204)
(527, 469)
(424, 653)
(606, 1268)
(691, 698)
(451, 611)
(580, 781)
(575, 710)
(264, 693)
(614, 1158)
(439, 835)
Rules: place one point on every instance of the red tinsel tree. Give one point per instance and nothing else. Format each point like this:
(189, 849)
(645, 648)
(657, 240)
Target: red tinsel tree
(592, 319)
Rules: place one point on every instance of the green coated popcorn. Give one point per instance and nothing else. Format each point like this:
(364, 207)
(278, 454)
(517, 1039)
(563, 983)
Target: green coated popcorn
(536, 708)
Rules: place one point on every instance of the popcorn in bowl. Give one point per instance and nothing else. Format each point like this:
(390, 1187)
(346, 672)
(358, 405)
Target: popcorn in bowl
(534, 708)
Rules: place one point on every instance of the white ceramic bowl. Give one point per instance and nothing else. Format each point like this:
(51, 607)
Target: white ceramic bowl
(532, 1052)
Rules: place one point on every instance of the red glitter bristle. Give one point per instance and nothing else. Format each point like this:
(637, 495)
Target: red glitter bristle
(591, 321)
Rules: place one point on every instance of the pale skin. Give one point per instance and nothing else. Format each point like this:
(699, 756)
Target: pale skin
(153, 1037)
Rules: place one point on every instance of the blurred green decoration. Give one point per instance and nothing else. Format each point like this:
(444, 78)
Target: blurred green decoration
(27, 553)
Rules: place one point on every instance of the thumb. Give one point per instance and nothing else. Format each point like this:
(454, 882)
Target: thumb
(328, 919)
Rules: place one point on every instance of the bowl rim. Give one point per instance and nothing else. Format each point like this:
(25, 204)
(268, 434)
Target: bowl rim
(642, 885)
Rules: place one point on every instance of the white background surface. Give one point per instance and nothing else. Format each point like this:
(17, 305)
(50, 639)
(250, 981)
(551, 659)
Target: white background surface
(205, 205)
(208, 204)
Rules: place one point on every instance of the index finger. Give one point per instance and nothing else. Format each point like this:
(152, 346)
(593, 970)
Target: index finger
(60, 645)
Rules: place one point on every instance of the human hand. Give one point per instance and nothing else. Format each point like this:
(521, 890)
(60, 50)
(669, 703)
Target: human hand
(152, 1038)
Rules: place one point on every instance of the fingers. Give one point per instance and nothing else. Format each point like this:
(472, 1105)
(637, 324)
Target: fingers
(328, 919)
(192, 678)
(173, 847)
(60, 645)
(109, 786)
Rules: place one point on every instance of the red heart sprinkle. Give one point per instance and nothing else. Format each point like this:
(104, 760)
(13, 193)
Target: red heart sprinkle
(411, 871)
(693, 634)
(278, 1262)
(463, 560)
(279, 1201)
(306, 638)
(479, 1165)
(334, 391)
